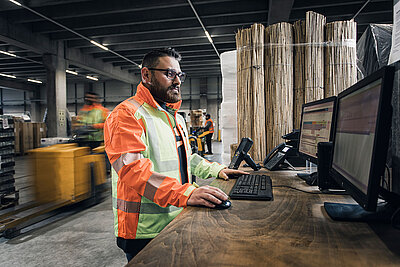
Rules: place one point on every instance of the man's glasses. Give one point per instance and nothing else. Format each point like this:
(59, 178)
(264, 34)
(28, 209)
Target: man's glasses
(171, 74)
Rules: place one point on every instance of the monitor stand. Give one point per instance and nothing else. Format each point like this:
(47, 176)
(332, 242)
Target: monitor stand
(310, 178)
(355, 213)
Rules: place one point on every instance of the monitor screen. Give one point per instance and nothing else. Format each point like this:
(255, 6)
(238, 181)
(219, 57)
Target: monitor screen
(361, 136)
(316, 126)
(355, 132)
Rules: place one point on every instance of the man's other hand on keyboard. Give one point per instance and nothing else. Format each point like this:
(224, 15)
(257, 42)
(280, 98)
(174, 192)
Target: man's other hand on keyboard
(224, 173)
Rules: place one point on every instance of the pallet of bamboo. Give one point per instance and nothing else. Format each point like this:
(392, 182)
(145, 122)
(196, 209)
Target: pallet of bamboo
(250, 88)
(278, 82)
(299, 30)
(340, 56)
(314, 56)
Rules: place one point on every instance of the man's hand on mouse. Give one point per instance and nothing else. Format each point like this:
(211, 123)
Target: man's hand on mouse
(223, 174)
(207, 196)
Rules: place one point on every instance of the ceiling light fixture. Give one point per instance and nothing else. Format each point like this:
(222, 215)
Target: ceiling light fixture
(34, 81)
(71, 72)
(15, 2)
(202, 25)
(209, 37)
(92, 78)
(74, 32)
(99, 45)
(8, 54)
(7, 75)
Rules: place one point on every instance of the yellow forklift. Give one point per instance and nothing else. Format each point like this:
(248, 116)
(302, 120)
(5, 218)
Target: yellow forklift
(64, 174)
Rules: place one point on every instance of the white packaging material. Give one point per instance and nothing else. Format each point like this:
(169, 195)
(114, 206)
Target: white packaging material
(228, 70)
(228, 106)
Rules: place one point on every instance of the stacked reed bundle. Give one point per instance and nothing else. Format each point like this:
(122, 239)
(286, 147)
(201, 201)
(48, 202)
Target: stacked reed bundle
(278, 82)
(314, 57)
(250, 88)
(299, 29)
(340, 56)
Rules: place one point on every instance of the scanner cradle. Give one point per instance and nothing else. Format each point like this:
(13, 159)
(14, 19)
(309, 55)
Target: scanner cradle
(241, 154)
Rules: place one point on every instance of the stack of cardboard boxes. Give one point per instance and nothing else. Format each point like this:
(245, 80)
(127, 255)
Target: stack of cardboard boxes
(196, 118)
(28, 135)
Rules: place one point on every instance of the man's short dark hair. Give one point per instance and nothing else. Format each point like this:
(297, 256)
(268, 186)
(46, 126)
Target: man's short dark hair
(208, 116)
(151, 59)
(92, 94)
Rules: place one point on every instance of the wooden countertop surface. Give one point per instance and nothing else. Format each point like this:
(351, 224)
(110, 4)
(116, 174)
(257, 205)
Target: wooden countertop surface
(293, 230)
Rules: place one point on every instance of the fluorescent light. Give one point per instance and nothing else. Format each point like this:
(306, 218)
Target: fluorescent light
(92, 78)
(8, 54)
(208, 36)
(71, 72)
(34, 81)
(15, 2)
(6, 75)
(99, 45)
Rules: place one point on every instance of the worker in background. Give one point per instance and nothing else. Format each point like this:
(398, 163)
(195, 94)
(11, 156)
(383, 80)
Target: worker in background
(209, 127)
(91, 119)
(147, 143)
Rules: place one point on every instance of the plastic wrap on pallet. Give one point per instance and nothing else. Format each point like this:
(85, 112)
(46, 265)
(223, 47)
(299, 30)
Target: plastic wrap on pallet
(228, 106)
(373, 49)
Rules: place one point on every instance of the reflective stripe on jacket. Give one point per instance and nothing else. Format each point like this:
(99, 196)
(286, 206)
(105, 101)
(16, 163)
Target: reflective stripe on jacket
(94, 116)
(211, 127)
(147, 188)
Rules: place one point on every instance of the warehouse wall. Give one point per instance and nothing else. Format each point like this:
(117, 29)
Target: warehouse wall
(114, 92)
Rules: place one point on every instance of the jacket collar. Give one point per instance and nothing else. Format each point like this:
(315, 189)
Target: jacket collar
(143, 93)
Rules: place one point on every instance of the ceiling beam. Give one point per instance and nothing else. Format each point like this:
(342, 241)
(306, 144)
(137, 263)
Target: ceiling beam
(6, 84)
(279, 11)
(20, 36)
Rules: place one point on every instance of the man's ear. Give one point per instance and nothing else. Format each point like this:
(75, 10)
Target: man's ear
(145, 72)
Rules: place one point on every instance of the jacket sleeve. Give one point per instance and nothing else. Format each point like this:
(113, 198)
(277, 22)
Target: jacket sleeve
(202, 168)
(123, 134)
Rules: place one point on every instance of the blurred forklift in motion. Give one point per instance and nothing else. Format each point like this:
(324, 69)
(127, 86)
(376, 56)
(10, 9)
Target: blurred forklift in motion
(90, 122)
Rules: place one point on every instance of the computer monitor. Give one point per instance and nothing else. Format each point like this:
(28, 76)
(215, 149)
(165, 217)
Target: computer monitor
(316, 126)
(361, 137)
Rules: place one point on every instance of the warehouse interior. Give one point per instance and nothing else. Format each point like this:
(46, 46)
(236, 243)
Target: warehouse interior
(53, 52)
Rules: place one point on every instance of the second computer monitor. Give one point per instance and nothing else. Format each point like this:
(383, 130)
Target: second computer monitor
(316, 126)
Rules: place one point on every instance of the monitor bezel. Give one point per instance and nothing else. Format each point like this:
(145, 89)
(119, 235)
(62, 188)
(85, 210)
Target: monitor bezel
(317, 102)
(381, 141)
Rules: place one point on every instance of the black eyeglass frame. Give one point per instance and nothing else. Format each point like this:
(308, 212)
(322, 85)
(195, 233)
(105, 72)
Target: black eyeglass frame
(170, 72)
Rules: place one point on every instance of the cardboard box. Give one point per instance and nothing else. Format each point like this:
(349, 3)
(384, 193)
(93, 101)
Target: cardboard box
(39, 132)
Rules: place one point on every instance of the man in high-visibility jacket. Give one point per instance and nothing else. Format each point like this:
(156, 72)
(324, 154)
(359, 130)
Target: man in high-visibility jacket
(147, 143)
(92, 117)
(209, 129)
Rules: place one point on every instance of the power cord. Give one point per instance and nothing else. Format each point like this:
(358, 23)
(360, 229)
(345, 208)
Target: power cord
(294, 188)
(395, 220)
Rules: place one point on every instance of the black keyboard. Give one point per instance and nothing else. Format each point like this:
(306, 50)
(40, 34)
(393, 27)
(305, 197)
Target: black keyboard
(252, 186)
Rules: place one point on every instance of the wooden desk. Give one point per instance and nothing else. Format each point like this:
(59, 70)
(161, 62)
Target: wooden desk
(293, 230)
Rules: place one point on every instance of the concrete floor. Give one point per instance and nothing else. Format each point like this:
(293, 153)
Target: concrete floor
(74, 237)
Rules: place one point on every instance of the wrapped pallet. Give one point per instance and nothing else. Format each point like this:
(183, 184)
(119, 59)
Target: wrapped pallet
(250, 88)
(340, 56)
(309, 62)
(228, 105)
(278, 83)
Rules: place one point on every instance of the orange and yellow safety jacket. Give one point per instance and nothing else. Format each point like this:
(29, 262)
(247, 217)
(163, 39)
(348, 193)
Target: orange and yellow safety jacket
(147, 189)
(93, 115)
(210, 125)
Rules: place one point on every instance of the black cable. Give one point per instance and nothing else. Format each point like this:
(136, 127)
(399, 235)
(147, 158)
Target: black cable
(294, 188)
(395, 220)
(388, 172)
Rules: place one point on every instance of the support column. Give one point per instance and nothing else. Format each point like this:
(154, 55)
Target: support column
(56, 87)
(203, 93)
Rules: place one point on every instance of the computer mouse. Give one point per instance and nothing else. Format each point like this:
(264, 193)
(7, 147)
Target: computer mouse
(224, 205)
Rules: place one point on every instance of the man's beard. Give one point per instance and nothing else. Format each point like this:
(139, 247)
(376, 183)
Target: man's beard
(165, 94)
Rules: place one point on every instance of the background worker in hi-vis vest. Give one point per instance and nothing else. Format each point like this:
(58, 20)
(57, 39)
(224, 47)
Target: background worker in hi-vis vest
(209, 127)
(147, 143)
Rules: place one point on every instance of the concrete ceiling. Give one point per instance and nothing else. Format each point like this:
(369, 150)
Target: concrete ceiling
(133, 27)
